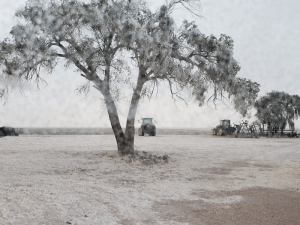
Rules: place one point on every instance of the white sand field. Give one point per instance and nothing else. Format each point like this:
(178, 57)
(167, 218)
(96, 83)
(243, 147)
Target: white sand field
(79, 179)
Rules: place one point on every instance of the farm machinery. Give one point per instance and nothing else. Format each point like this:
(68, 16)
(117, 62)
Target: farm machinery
(10, 131)
(253, 130)
(244, 129)
(147, 127)
(224, 128)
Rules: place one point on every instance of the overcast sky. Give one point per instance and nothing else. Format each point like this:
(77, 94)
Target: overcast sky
(266, 37)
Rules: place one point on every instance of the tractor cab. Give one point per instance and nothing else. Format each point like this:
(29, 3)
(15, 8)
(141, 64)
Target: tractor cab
(147, 121)
(225, 123)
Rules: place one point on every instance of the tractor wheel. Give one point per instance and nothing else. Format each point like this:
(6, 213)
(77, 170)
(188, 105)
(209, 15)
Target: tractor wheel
(141, 132)
(214, 132)
(154, 133)
(221, 132)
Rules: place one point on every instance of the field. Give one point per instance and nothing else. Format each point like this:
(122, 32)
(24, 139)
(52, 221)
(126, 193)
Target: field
(80, 179)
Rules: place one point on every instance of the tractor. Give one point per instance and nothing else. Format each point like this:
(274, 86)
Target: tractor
(9, 131)
(147, 127)
(224, 128)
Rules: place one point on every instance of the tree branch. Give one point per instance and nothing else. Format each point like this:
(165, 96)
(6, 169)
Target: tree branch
(58, 55)
(89, 75)
(182, 58)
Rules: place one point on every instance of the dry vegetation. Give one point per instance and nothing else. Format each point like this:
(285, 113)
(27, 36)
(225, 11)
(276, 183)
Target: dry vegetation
(80, 179)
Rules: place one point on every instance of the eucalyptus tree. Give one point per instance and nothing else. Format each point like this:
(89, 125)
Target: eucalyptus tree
(96, 37)
(85, 35)
(278, 109)
(186, 59)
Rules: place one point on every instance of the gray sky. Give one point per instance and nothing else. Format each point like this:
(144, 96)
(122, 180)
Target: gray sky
(266, 36)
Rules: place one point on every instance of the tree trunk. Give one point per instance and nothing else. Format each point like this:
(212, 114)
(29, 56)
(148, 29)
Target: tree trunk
(125, 142)
(114, 121)
(113, 114)
(130, 131)
(269, 129)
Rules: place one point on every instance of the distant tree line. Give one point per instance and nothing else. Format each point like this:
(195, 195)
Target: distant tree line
(277, 109)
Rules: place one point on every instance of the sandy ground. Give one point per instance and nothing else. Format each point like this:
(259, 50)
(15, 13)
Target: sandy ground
(79, 179)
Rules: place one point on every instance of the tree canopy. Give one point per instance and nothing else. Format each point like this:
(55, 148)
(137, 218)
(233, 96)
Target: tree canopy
(99, 38)
(278, 109)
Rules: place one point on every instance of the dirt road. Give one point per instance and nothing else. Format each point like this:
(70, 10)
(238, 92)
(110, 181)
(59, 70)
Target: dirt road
(208, 180)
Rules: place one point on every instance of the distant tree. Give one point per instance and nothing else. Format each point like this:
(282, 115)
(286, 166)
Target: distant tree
(98, 36)
(278, 109)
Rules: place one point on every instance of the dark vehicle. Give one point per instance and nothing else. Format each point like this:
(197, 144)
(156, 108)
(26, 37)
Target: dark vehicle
(224, 128)
(9, 131)
(147, 127)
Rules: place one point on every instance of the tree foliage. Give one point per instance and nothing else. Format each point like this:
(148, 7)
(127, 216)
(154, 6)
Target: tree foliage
(99, 37)
(278, 109)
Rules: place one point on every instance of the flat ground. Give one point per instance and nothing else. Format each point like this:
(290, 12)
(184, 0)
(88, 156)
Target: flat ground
(208, 180)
